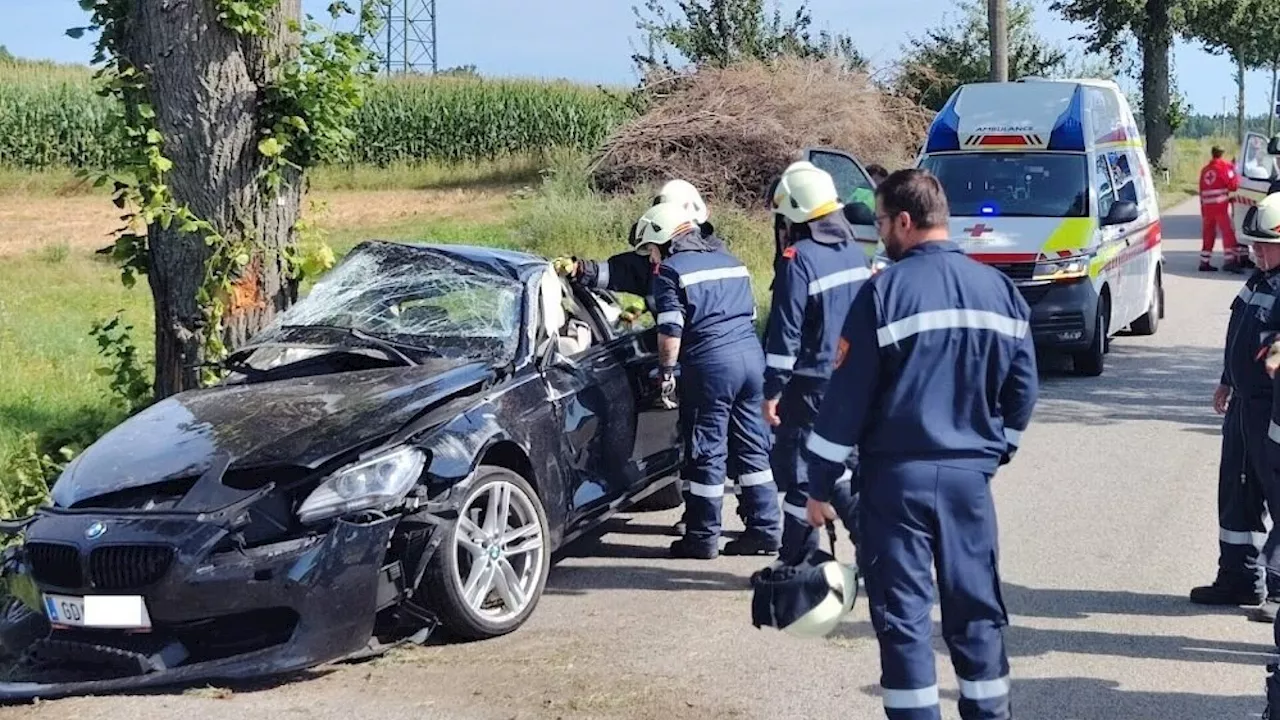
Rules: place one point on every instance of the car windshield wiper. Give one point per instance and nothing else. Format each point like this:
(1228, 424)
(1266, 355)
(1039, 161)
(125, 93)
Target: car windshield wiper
(380, 342)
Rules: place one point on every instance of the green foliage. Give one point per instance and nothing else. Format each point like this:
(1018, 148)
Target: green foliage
(130, 381)
(956, 52)
(1246, 30)
(718, 33)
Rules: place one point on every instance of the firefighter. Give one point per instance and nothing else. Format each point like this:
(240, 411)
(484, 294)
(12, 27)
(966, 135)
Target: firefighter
(1244, 396)
(819, 274)
(1218, 180)
(706, 335)
(935, 383)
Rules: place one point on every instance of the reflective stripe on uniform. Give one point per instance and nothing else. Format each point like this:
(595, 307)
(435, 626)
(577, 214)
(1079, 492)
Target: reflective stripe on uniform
(984, 689)
(707, 491)
(950, 320)
(1239, 537)
(910, 699)
(702, 276)
(671, 317)
(780, 362)
(826, 449)
(760, 477)
(602, 275)
(1014, 437)
(835, 280)
(1273, 431)
(795, 511)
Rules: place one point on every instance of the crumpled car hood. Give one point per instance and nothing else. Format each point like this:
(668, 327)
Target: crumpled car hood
(301, 422)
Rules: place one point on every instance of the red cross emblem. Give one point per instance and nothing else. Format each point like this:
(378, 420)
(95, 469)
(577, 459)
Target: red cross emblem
(978, 230)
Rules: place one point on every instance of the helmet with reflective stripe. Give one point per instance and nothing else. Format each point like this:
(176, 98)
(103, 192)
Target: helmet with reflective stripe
(683, 192)
(661, 223)
(1262, 223)
(805, 192)
(806, 600)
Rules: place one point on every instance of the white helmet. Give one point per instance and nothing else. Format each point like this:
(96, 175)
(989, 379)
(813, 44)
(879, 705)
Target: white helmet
(822, 618)
(1262, 223)
(805, 192)
(662, 222)
(682, 191)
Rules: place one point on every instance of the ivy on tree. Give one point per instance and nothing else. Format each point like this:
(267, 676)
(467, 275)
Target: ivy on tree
(225, 104)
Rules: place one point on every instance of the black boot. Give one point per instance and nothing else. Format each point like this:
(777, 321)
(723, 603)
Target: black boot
(1216, 594)
(1273, 693)
(688, 549)
(752, 544)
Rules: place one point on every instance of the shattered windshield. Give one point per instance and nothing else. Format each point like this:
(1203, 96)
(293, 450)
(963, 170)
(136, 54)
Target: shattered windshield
(413, 297)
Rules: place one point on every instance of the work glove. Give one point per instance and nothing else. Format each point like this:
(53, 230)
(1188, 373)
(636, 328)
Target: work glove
(565, 266)
(665, 379)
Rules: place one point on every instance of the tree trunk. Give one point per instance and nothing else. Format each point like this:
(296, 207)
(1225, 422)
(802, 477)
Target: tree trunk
(1156, 39)
(205, 83)
(1271, 111)
(1240, 103)
(998, 29)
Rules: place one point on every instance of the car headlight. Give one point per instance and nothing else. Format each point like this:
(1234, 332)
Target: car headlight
(376, 483)
(1069, 268)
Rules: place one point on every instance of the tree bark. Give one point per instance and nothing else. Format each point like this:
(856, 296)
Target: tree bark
(206, 83)
(1156, 40)
(998, 29)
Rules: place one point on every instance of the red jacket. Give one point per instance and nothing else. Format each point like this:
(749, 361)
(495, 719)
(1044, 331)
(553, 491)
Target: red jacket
(1218, 180)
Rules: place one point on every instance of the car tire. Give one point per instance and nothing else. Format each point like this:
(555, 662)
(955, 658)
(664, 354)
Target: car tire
(1090, 363)
(668, 498)
(1150, 322)
(452, 566)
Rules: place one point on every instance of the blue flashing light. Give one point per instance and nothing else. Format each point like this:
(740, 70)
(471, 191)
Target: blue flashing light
(988, 209)
(1068, 132)
(944, 134)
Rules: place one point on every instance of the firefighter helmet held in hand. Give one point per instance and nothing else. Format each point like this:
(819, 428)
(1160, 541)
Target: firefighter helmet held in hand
(1262, 223)
(683, 192)
(661, 223)
(805, 192)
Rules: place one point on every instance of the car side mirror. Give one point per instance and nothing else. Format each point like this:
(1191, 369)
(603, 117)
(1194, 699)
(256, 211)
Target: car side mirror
(1121, 212)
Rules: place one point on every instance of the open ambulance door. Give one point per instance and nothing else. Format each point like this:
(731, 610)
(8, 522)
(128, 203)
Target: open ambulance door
(1257, 168)
(854, 185)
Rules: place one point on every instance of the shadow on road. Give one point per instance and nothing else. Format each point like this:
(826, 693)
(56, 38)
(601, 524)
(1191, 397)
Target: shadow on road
(1081, 604)
(1033, 642)
(1093, 699)
(1174, 384)
(585, 579)
(1186, 263)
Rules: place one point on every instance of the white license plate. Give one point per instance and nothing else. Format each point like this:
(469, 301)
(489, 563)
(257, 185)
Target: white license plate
(98, 611)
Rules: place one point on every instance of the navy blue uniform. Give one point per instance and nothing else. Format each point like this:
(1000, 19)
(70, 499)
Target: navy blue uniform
(626, 272)
(815, 281)
(703, 296)
(937, 386)
(1246, 483)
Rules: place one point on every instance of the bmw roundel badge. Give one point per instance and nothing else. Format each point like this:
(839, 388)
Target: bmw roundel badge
(95, 531)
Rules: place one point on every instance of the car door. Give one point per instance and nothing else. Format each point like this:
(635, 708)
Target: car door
(1132, 301)
(1256, 169)
(850, 178)
(1111, 237)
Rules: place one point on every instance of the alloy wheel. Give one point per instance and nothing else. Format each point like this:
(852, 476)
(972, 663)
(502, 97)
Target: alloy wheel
(499, 542)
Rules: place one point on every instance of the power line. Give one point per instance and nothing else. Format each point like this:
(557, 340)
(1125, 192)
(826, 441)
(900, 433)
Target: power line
(407, 41)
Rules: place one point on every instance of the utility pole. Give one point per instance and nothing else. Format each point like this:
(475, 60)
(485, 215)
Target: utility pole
(1275, 110)
(998, 29)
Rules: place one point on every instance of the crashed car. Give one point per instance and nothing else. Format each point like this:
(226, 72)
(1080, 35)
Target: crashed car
(404, 448)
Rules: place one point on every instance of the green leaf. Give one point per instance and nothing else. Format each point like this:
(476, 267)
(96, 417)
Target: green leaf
(76, 32)
(270, 147)
(154, 137)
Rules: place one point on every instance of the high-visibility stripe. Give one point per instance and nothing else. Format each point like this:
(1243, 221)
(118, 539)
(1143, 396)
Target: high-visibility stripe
(953, 319)
(1256, 298)
(846, 477)
(1273, 431)
(795, 511)
(826, 449)
(839, 279)
(1239, 537)
(707, 491)
(602, 275)
(984, 689)
(1014, 437)
(702, 276)
(780, 362)
(760, 477)
(910, 699)
(671, 317)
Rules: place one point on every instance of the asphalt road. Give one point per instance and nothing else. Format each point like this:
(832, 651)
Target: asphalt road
(1107, 520)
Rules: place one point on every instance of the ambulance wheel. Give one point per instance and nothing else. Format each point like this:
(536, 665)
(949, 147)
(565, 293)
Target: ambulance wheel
(1089, 363)
(1149, 323)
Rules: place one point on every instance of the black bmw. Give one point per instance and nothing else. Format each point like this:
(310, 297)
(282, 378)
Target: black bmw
(403, 448)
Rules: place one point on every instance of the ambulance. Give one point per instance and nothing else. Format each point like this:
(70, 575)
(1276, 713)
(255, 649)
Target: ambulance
(1048, 182)
(1258, 167)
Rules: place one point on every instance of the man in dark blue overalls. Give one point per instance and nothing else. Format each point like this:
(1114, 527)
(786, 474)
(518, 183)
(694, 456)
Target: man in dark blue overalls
(1245, 479)
(705, 322)
(934, 385)
(815, 280)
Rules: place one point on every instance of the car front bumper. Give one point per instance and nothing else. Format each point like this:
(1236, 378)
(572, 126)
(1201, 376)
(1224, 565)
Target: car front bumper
(1063, 315)
(228, 614)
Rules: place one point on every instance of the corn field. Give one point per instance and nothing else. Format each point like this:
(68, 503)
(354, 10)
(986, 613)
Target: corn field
(51, 117)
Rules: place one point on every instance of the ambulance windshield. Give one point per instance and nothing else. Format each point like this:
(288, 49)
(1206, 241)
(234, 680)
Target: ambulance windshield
(993, 184)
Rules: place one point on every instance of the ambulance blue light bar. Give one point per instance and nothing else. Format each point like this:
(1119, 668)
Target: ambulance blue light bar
(1067, 134)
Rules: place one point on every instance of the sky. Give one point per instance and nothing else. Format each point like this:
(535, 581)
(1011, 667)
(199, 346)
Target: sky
(592, 40)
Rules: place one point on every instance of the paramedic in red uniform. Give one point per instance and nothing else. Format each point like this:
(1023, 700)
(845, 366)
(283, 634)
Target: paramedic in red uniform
(1218, 180)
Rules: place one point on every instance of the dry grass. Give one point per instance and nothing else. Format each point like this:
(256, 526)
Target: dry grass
(54, 225)
(731, 132)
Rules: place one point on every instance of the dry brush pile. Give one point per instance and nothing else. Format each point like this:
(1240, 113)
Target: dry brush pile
(732, 131)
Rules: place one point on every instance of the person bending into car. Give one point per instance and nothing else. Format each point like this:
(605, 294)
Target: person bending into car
(706, 332)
